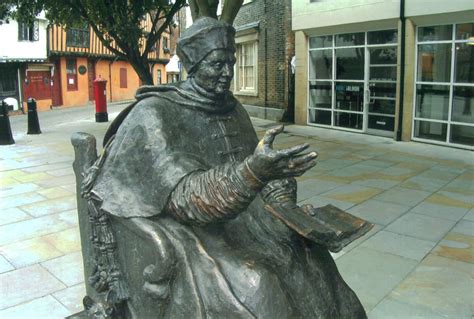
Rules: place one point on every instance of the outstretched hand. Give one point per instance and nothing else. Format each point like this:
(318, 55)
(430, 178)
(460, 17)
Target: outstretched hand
(269, 164)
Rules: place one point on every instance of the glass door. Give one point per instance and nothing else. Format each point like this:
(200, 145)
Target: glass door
(353, 80)
(381, 81)
(382, 87)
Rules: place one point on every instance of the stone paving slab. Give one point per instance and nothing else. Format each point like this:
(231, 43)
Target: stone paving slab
(12, 215)
(29, 252)
(54, 192)
(68, 268)
(17, 189)
(378, 212)
(366, 279)
(440, 211)
(456, 246)
(470, 215)
(403, 196)
(31, 228)
(16, 201)
(51, 206)
(42, 308)
(424, 183)
(66, 241)
(71, 297)
(394, 309)
(420, 197)
(26, 284)
(421, 226)
(400, 245)
(312, 187)
(5, 265)
(439, 285)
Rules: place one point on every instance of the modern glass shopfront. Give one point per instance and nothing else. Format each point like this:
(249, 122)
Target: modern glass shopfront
(352, 81)
(444, 86)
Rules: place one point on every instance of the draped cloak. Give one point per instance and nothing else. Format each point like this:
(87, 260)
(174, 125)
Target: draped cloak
(252, 266)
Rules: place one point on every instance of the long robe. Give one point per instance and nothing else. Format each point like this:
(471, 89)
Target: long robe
(251, 266)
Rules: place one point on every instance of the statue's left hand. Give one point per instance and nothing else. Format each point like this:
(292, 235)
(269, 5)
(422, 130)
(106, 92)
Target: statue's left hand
(269, 164)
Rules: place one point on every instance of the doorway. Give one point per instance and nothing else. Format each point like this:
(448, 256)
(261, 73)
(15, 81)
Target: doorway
(352, 81)
(91, 77)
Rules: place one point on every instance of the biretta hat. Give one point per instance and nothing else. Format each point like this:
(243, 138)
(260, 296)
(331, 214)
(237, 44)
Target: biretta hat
(202, 37)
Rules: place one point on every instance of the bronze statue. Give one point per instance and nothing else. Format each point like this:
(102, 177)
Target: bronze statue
(190, 216)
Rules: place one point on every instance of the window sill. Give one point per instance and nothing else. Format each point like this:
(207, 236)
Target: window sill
(246, 93)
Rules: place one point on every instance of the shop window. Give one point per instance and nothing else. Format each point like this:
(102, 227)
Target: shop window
(246, 68)
(123, 78)
(445, 85)
(28, 32)
(78, 37)
(71, 74)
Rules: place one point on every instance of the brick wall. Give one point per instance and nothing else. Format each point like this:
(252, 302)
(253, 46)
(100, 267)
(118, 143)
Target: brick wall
(275, 33)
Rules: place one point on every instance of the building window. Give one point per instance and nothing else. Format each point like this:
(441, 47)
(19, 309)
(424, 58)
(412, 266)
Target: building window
(246, 68)
(8, 80)
(159, 79)
(172, 77)
(166, 49)
(71, 74)
(444, 86)
(28, 32)
(352, 81)
(78, 37)
(123, 78)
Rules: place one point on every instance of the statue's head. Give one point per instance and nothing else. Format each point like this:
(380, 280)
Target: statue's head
(207, 52)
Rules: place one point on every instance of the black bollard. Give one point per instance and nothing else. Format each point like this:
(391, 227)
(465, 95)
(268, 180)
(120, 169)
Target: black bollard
(6, 137)
(33, 122)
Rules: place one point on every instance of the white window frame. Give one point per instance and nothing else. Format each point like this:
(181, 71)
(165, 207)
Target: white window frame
(28, 32)
(451, 84)
(252, 91)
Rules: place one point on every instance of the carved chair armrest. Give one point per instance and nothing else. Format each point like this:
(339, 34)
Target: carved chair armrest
(153, 254)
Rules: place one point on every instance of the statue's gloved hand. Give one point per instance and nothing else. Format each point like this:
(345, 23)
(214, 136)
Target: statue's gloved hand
(268, 164)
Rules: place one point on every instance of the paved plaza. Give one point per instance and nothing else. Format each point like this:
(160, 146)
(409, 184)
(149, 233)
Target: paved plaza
(417, 262)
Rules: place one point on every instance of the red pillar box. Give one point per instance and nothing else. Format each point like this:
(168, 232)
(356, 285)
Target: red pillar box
(100, 95)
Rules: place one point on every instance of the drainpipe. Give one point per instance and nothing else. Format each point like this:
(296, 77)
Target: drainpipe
(402, 70)
(20, 90)
(110, 76)
(266, 56)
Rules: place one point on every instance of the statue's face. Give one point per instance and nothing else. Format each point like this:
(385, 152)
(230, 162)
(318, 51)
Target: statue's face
(215, 72)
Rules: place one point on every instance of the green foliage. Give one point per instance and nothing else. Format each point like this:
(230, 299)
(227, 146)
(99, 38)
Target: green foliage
(118, 23)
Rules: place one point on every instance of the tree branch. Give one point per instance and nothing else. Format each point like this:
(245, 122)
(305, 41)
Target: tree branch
(204, 10)
(153, 36)
(194, 9)
(230, 10)
(169, 16)
(78, 5)
(213, 5)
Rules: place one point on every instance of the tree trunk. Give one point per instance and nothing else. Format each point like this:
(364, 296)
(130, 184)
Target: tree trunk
(143, 70)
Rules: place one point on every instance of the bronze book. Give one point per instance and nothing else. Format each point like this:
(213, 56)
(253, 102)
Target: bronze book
(327, 225)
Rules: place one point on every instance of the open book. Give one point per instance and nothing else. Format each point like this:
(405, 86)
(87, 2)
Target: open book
(327, 225)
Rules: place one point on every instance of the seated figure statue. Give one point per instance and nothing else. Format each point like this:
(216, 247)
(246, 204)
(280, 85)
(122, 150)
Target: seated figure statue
(186, 207)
